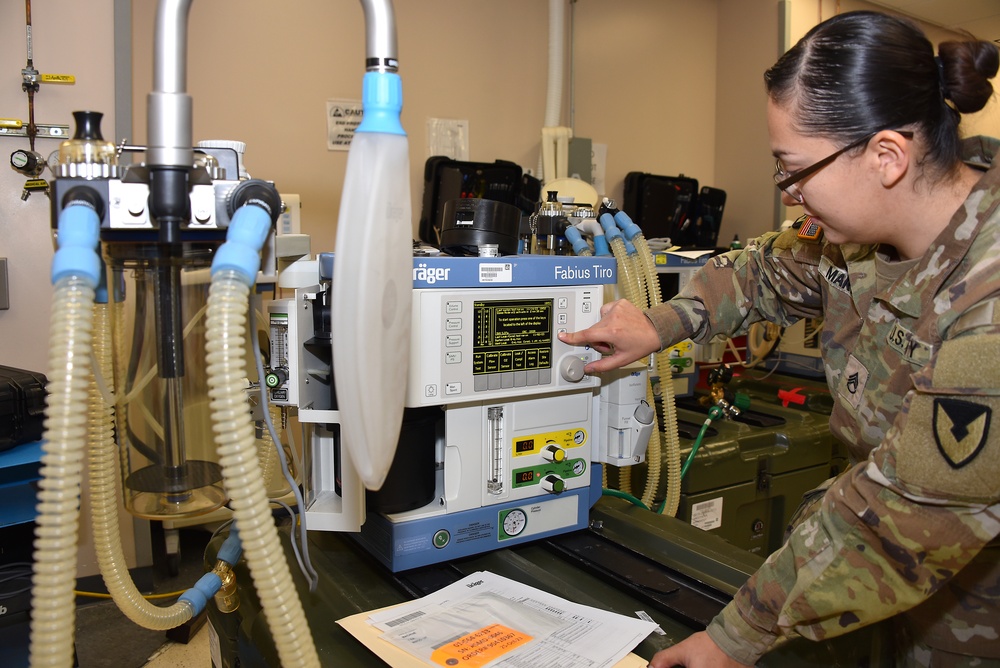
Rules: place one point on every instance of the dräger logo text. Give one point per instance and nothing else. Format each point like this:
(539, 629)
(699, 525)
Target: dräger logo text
(430, 275)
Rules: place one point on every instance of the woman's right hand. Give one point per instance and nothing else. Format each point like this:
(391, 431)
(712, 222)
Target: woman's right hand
(697, 651)
(623, 335)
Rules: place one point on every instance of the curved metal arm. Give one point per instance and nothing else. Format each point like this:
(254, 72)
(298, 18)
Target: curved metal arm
(380, 36)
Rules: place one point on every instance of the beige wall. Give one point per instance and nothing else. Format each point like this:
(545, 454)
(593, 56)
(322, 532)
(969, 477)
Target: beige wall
(266, 82)
(748, 45)
(645, 86)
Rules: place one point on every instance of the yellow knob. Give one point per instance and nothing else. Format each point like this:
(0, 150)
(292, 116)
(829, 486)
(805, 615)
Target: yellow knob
(553, 453)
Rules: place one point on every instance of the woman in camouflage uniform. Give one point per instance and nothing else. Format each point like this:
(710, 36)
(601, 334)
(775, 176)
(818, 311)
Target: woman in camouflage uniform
(863, 119)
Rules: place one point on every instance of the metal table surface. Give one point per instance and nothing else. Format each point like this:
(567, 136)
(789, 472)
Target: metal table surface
(629, 560)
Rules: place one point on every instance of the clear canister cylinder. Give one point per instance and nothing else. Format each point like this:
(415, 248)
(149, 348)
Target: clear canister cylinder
(163, 419)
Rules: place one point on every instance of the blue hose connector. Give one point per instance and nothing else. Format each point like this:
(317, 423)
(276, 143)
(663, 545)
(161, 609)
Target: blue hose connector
(201, 592)
(231, 549)
(382, 100)
(601, 247)
(610, 228)
(79, 232)
(575, 238)
(247, 233)
(101, 294)
(625, 224)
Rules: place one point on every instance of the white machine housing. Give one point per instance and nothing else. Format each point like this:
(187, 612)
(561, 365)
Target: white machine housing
(497, 342)
(518, 439)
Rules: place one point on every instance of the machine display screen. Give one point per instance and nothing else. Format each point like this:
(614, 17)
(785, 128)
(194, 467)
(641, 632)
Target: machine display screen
(512, 335)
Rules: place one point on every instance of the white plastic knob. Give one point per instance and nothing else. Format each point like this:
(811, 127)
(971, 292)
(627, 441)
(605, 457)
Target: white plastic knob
(571, 369)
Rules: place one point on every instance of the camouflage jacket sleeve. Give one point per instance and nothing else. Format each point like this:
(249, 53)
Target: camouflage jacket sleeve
(893, 531)
(776, 278)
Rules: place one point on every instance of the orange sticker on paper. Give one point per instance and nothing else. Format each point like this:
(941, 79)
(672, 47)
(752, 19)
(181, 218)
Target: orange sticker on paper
(479, 647)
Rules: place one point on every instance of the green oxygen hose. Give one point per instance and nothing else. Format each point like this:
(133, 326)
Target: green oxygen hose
(624, 495)
(714, 413)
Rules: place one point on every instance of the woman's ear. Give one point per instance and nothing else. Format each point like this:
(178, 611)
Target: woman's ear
(893, 152)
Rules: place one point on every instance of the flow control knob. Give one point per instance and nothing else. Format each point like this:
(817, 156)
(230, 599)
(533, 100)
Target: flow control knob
(275, 378)
(553, 484)
(571, 368)
(553, 453)
(27, 162)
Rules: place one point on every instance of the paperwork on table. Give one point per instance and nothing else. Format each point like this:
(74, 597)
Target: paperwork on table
(487, 620)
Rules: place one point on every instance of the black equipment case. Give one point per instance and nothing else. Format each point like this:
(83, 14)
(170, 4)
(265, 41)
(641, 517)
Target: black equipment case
(446, 179)
(22, 406)
(674, 207)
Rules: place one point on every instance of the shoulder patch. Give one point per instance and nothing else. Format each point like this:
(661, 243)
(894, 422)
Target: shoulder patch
(960, 429)
(945, 449)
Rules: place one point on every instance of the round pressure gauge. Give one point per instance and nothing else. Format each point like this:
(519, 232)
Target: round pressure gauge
(514, 522)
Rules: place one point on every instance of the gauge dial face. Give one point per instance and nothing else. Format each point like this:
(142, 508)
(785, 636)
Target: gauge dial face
(514, 522)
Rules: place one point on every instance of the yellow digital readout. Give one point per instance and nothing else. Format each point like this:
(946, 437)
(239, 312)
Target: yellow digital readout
(533, 444)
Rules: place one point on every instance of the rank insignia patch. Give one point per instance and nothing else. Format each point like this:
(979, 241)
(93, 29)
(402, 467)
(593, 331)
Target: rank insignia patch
(960, 429)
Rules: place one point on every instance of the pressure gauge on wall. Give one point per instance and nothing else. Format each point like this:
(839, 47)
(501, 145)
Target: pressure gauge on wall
(514, 522)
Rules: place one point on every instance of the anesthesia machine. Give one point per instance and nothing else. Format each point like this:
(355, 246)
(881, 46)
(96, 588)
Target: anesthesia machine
(502, 427)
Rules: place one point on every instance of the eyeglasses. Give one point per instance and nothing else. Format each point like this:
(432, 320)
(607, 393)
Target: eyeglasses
(788, 183)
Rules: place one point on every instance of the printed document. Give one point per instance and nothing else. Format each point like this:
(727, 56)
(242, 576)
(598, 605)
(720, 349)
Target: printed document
(488, 621)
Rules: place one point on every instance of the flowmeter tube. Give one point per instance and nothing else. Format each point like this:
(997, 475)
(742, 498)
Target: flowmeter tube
(495, 445)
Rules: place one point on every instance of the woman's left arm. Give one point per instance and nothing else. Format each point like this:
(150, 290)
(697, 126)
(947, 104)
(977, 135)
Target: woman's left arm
(895, 529)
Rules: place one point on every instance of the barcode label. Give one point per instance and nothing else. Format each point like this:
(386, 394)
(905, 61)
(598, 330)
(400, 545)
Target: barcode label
(499, 272)
(643, 615)
(405, 618)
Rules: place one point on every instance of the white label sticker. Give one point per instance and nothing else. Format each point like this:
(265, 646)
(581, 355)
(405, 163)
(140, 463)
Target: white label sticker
(643, 615)
(214, 647)
(342, 119)
(707, 515)
(499, 272)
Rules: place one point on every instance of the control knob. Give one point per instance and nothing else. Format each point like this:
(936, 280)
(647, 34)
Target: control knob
(553, 484)
(571, 368)
(275, 378)
(553, 453)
